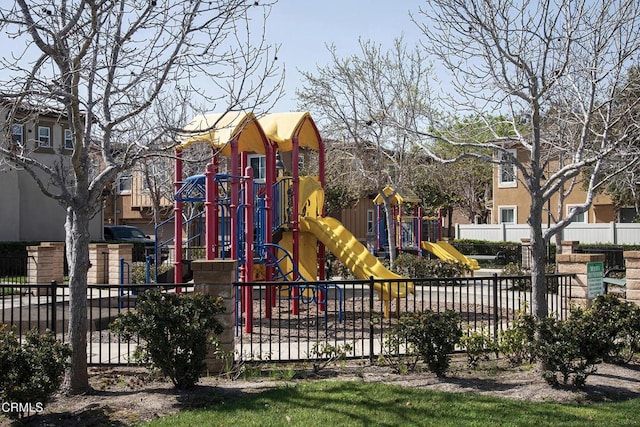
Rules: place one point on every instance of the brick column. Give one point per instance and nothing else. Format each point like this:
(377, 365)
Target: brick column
(577, 264)
(119, 251)
(569, 246)
(216, 278)
(40, 268)
(99, 258)
(57, 261)
(632, 264)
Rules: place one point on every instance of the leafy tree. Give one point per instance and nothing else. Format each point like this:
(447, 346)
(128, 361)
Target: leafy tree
(548, 62)
(118, 71)
(367, 101)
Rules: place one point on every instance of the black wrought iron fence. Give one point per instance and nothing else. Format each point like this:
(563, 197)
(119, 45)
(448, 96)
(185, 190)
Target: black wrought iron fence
(294, 322)
(13, 270)
(613, 255)
(350, 314)
(46, 306)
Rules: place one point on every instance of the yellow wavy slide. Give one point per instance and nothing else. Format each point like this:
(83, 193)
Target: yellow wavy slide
(355, 256)
(446, 252)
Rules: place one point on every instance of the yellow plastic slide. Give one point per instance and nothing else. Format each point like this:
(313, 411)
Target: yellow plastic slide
(355, 256)
(446, 252)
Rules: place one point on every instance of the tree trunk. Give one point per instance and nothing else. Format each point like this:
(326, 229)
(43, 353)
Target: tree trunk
(77, 240)
(391, 230)
(538, 262)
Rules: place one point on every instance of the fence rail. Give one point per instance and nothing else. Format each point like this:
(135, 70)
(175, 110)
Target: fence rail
(13, 269)
(351, 313)
(339, 313)
(616, 233)
(46, 307)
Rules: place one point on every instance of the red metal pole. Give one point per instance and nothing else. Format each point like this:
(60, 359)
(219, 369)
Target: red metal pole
(419, 233)
(235, 194)
(209, 206)
(248, 248)
(215, 229)
(268, 224)
(177, 219)
(295, 223)
(322, 252)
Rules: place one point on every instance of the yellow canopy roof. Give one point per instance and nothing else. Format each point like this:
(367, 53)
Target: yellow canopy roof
(218, 129)
(397, 199)
(281, 128)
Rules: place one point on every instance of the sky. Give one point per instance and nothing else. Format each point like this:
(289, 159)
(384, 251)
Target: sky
(303, 29)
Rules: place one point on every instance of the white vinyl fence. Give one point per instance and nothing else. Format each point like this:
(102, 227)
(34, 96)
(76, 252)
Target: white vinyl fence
(615, 233)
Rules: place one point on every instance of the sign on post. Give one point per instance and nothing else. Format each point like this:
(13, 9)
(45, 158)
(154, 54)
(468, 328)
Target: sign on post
(595, 273)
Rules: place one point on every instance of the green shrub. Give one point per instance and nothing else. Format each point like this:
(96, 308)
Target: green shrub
(410, 265)
(510, 251)
(478, 345)
(402, 358)
(516, 343)
(512, 269)
(326, 353)
(32, 371)
(175, 330)
(621, 323)
(139, 271)
(429, 335)
(570, 349)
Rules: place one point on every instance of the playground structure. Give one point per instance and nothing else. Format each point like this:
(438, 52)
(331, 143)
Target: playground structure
(415, 233)
(271, 220)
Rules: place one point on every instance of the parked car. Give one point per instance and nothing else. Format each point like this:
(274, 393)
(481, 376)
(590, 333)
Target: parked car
(143, 245)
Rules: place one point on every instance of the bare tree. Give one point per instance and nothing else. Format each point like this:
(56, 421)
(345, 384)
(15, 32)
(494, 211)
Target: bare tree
(530, 60)
(107, 67)
(368, 101)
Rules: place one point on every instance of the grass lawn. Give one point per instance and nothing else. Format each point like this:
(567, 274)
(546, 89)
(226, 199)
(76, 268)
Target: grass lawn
(340, 403)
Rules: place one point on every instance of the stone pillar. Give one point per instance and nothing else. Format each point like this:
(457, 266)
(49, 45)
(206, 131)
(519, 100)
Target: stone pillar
(525, 260)
(119, 251)
(577, 264)
(40, 268)
(98, 258)
(632, 264)
(216, 278)
(569, 246)
(57, 261)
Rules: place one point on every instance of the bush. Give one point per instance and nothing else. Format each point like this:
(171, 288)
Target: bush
(429, 335)
(517, 342)
(139, 271)
(175, 329)
(509, 251)
(571, 348)
(478, 344)
(410, 265)
(30, 372)
(621, 323)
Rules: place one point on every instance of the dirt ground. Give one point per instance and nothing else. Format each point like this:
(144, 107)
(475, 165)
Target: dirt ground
(124, 396)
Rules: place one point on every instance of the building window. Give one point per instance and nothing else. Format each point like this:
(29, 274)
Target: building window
(508, 215)
(17, 134)
(580, 218)
(300, 162)
(68, 139)
(259, 165)
(44, 136)
(507, 172)
(370, 222)
(124, 183)
(627, 215)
